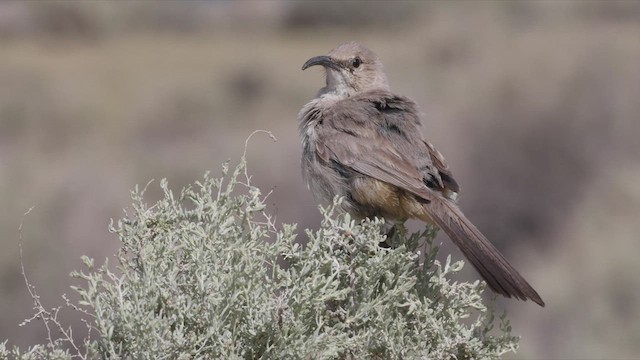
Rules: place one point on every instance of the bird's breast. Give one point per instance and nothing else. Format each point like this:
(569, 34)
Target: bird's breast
(320, 179)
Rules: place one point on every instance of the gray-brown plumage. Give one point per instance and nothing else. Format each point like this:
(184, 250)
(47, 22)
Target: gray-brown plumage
(364, 143)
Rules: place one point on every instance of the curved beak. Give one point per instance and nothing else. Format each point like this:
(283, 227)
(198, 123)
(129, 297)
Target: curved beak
(323, 60)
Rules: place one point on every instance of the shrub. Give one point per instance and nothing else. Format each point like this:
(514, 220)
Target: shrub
(208, 274)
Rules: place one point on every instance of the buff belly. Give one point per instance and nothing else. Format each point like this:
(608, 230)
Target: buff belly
(372, 198)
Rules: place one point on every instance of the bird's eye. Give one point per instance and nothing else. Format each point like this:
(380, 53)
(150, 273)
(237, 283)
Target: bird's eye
(356, 62)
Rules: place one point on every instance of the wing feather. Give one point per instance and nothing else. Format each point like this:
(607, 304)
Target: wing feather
(377, 134)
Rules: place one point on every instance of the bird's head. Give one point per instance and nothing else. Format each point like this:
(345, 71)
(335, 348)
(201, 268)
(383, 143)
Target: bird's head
(351, 68)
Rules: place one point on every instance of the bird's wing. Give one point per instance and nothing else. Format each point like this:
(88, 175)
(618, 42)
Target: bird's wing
(353, 134)
(386, 128)
(398, 121)
(439, 162)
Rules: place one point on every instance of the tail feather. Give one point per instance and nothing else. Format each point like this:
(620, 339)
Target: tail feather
(494, 268)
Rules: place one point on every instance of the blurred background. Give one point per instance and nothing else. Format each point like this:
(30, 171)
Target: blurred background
(536, 106)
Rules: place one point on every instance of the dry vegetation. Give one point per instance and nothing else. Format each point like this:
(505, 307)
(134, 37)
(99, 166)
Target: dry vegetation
(534, 104)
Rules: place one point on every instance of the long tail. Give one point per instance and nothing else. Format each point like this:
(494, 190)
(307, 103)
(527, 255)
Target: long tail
(501, 276)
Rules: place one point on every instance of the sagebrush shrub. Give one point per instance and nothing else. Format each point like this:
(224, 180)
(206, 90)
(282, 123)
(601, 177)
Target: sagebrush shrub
(209, 275)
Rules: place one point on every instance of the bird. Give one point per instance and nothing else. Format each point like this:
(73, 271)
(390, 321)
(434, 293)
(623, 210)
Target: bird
(362, 142)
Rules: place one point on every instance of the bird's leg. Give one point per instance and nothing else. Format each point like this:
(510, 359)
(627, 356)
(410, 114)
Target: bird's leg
(386, 243)
(395, 233)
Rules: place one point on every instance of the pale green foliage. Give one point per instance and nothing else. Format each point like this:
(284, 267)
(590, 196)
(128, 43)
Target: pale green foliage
(207, 274)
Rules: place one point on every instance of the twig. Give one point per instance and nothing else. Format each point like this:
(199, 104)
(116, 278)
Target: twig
(42, 313)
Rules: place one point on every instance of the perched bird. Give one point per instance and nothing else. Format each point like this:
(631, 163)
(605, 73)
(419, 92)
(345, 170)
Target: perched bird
(363, 142)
